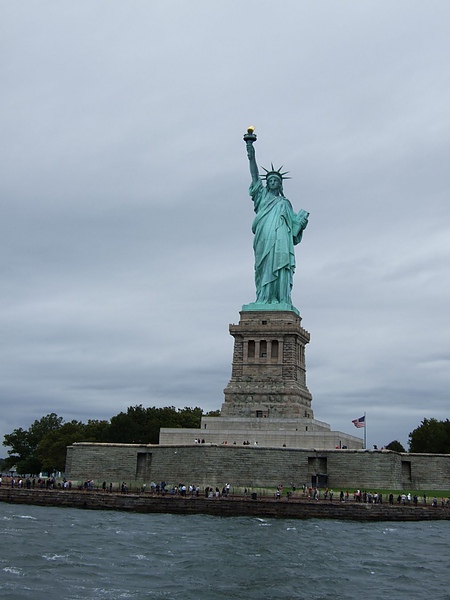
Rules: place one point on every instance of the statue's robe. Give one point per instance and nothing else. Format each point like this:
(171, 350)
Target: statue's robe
(277, 229)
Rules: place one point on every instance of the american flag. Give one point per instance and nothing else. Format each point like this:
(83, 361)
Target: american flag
(361, 422)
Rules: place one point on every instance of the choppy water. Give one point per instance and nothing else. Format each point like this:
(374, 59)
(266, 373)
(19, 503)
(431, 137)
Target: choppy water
(69, 554)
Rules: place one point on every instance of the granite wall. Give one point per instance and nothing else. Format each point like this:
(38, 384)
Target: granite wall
(252, 466)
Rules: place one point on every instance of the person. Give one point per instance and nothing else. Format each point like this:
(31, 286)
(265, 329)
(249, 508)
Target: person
(277, 229)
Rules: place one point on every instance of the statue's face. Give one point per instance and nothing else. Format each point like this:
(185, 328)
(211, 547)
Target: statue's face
(274, 183)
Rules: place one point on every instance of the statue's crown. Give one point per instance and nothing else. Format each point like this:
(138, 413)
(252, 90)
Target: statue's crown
(276, 172)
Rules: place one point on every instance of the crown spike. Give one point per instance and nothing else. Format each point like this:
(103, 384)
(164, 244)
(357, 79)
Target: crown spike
(273, 171)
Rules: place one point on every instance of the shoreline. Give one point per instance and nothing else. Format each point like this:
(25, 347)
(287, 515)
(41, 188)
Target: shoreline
(232, 506)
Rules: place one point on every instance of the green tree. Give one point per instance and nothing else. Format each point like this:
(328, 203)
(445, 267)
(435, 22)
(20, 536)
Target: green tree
(189, 417)
(43, 445)
(213, 413)
(395, 446)
(96, 431)
(52, 448)
(431, 436)
(23, 453)
(141, 425)
(130, 427)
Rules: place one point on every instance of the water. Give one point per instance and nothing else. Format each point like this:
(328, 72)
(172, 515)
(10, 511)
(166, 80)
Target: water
(69, 554)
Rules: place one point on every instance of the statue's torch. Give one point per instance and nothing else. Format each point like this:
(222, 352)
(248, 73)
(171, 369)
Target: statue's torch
(250, 136)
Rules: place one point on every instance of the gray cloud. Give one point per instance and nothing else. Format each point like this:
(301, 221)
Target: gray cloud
(125, 229)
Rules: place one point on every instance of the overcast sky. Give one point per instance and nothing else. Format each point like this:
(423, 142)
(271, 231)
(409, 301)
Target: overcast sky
(125, 231)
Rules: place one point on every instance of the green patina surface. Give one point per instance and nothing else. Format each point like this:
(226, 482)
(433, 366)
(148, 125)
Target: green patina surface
(277, 229)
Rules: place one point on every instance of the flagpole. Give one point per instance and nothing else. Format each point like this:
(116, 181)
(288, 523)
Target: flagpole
(365, 431)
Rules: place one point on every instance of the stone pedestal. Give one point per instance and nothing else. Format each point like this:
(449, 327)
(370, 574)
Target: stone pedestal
(268, 377)
(267, 403)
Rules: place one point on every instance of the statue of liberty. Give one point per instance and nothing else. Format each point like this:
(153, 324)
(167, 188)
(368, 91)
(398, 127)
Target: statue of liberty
(277, 229)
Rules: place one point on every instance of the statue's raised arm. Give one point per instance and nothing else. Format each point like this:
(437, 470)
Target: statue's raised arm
(277, 229)
(250, 138)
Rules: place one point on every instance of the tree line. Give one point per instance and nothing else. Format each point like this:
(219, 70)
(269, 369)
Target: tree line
(431, 437)
(42, 447)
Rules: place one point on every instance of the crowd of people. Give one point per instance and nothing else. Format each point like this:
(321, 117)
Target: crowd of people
(193, 490)
(41, 483)
(373, 497)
